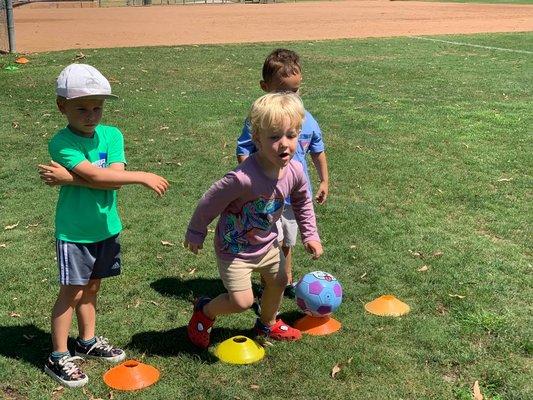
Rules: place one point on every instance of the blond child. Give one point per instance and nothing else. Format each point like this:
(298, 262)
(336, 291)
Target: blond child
(282, 71)
(250, 200)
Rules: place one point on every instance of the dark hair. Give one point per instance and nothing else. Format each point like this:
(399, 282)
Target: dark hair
(283, 62)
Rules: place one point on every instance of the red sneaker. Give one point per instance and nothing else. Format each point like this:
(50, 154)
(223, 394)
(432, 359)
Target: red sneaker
(199, 328)
(279, 331)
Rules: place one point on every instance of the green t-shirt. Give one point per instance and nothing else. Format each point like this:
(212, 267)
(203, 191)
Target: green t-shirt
(85, 215)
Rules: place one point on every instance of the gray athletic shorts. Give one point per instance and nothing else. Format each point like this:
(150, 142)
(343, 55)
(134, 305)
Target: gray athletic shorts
(79, 262)
(287, 227)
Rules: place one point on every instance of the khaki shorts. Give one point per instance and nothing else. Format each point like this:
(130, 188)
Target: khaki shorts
(237, 274)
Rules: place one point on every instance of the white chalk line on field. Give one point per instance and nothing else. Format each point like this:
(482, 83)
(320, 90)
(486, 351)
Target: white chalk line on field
(471, 45)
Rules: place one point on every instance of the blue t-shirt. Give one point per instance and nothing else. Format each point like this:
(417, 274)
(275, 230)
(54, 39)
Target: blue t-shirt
(309, 141)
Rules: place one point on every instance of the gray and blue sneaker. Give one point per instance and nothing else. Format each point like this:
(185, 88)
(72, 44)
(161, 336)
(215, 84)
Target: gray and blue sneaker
(100, 349)
(66, 371)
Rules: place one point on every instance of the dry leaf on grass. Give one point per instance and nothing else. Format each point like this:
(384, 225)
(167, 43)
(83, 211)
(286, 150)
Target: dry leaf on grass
(9, 227)
(90, 395)
(353, 246)
(476, 392)
(254, 387)
(264, 341)
(423, 268)
(438, 254)
(459, 296)
(58, 392)
(441, 309)
(416, 254)
(14, 314)
(79, 56)
(165, 243)
(3, 245)
(335, 370)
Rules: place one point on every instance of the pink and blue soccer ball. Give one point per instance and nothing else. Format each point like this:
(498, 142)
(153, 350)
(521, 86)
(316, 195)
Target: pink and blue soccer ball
(318, 294)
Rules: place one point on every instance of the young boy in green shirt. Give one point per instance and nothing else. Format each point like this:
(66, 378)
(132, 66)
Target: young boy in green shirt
(88, 163)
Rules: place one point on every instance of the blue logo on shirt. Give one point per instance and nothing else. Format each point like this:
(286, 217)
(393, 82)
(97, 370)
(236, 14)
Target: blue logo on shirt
(102, 162)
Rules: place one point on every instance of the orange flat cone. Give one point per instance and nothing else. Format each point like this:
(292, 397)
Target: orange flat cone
(131, 375)
(317, 326)
(387, 306)
(22, 60)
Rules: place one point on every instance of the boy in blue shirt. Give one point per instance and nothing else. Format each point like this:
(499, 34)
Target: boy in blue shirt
(88, 163)
(282, 72)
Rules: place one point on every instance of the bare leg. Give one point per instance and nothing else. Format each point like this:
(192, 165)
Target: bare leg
(287, 252)
(272, 296)
(229, 303)
(67, 300)
(86, 310)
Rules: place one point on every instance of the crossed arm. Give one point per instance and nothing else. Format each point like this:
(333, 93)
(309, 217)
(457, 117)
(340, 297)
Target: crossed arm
(88, 175)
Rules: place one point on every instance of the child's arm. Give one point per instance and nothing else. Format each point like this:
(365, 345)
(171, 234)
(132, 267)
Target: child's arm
(305, 217)
(55, 174)
(245, 144)
(212, 204)
(321, 165)
(112, 177)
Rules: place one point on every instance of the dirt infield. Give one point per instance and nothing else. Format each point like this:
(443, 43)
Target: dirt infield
(40, 30)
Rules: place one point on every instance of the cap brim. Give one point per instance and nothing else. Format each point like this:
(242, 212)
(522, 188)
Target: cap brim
(96, 97)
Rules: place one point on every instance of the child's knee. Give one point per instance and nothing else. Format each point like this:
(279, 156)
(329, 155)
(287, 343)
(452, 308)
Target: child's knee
(92, 287)
(242, 301)
(70, 294)
(280, 280)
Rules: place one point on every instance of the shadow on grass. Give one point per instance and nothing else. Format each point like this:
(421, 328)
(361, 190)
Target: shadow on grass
(182, 289)
(175, 342)
(290, 317)
(26, 343)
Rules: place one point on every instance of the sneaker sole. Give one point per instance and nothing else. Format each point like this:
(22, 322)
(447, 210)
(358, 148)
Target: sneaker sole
(115, 359)
(69, 384)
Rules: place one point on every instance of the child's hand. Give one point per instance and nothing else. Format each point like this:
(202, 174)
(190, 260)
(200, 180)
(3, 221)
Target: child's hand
(192, 246)
(55, 174)
(315, 248)
(322, 193)
(155, 182)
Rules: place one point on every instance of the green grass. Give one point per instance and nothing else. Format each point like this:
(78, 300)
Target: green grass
(429, 148)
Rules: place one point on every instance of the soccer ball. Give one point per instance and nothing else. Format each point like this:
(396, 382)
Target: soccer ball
(318, 294)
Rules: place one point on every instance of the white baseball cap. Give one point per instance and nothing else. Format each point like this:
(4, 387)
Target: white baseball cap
(82, 80)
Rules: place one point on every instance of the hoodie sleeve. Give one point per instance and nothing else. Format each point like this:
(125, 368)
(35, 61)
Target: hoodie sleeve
(211, 205)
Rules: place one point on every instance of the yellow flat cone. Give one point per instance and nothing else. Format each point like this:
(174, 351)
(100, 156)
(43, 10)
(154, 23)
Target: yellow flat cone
(131, 375)
(387, 306)
(239, 350)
